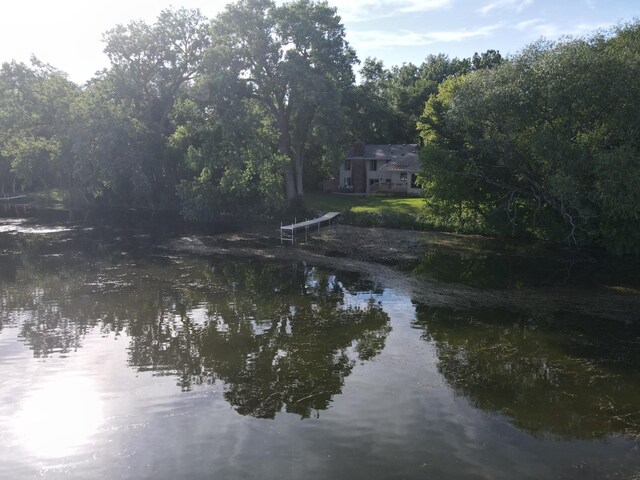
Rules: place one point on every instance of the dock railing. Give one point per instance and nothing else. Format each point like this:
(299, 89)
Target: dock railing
(288, 232)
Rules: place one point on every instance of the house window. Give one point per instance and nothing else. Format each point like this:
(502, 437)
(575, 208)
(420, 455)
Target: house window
(373, 181)
(347, 165)
(403, 176)
(373, 165)
(387, 180)
(414, 179)
(347, 181)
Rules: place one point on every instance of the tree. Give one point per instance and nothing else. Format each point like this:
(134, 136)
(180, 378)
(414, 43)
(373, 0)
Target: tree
(387, 104)
(486, 60)
(373, 118)
(127, 116)
(233, 169)
(293, 61)
(35, 125)
(150, 63)
(549, 138)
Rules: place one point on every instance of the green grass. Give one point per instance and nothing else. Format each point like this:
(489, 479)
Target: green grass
(327, 202)
(52, 198)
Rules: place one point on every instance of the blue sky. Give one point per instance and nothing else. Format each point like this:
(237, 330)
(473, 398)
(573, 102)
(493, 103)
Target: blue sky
(67, 33)
(399, 31)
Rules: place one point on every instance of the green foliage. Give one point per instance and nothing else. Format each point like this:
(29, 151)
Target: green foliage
(129, 118)
(323, 202)
(231, 166)
(240, 115)
(291, 60)
(547, 139)
(617, 194)
(35, 119)
(383, 219)
(388, 102)
(370, 210)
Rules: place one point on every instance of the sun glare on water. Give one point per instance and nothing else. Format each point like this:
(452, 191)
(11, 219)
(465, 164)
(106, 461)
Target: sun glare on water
(59, 417)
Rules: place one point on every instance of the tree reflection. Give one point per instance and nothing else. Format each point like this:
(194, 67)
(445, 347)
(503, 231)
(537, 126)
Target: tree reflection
(279, 337)
(569, 376)
(526, 266)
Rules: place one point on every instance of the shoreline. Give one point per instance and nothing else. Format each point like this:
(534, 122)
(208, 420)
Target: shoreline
(382, 255)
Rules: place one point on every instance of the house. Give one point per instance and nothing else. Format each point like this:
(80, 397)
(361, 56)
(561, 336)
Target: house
(380, 169)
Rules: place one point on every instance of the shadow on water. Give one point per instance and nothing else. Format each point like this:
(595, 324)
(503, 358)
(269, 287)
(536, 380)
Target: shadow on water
(509, 265)
(284, 336)
(279, 337)
(572, 376)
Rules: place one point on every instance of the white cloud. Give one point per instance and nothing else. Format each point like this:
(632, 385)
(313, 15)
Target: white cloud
(363, 10)
(460, 35)
(382, 38)
(537, 27)
(588, 28)
(406, 38)
(515, 5)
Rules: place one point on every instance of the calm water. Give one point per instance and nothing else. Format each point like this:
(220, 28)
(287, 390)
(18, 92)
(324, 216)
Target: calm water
(120, 360)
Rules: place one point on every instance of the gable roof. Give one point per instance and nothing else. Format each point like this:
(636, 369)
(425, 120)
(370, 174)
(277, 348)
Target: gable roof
(396, 157)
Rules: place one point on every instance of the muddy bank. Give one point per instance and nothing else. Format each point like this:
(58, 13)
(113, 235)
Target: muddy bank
(387, 256)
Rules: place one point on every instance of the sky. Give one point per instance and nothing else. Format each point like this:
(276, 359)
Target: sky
(67, 34)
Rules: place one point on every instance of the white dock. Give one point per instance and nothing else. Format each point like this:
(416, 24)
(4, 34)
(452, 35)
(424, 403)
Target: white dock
(288, 232)
(11, 199)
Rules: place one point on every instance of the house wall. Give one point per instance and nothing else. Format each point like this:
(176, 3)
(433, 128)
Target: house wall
(361, 179)
(359, 175)
(344, 176)
(389, 182)
(330, 185)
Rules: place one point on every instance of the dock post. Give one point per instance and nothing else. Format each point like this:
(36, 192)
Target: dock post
(280, 233)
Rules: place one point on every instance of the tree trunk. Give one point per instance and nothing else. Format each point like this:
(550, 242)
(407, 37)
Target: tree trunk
(299, 167)
(290, 185)
(283, 149)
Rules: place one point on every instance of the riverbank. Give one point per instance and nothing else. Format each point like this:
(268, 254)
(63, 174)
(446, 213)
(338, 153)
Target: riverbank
(394, 258)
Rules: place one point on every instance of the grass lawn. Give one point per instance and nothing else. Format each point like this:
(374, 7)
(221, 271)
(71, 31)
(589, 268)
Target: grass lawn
(327, 202)
(53, 196)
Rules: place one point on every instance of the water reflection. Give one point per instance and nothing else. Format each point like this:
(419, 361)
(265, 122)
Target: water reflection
(285, 337)
(278, 337)
(536, 266)
(59, 416)
(575, 377)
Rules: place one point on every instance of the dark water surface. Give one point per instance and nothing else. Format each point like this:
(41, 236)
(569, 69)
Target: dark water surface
(121, 360)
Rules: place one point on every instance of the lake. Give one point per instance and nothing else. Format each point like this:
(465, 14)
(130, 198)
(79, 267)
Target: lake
(121, 359)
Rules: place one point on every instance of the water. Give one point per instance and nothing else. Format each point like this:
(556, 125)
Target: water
(121, 360)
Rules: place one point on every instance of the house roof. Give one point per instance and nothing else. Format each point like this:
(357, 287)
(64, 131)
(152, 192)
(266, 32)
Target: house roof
(400, 166)
(397, 157)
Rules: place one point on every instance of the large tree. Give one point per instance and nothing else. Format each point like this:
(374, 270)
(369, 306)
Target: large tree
(127, 110)
(293, 62)
(35, 124)
(552, 135)
(388, 102)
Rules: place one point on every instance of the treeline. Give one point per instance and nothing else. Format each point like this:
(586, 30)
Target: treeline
(545, 144)
(239, 115)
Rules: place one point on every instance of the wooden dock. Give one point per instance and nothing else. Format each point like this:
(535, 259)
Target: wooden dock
(12, 199)
(288, 232)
